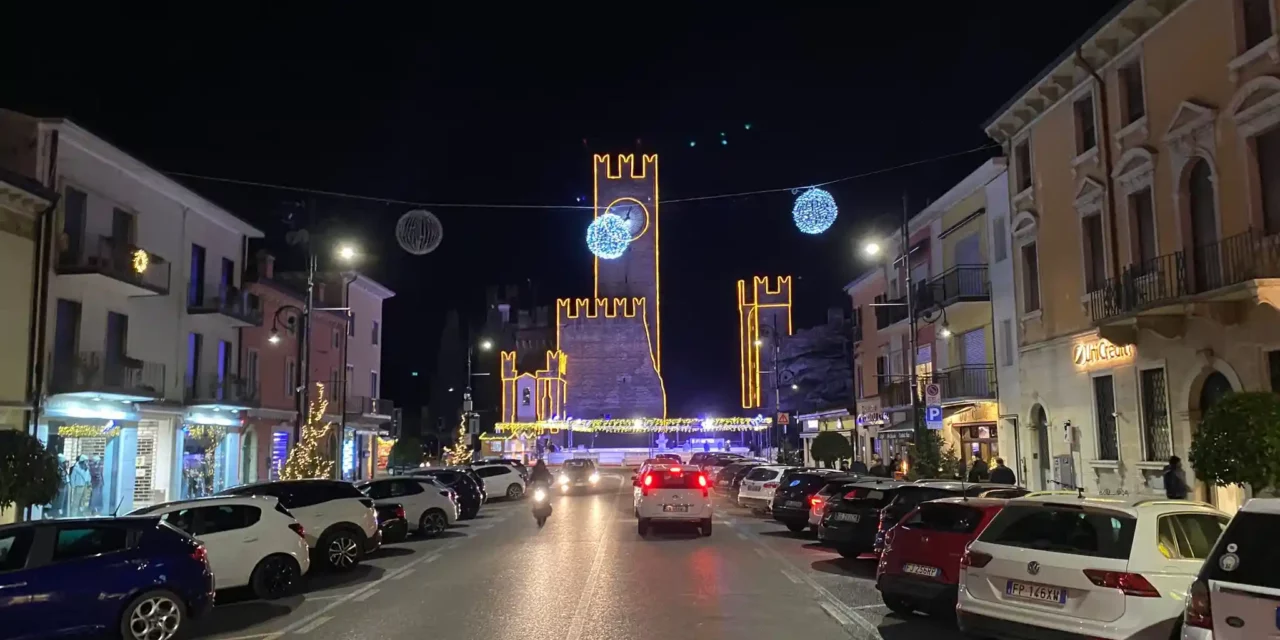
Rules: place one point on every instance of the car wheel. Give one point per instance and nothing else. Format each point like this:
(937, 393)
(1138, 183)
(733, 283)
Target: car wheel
(898, 605)
(154, 615)
(515, 492)
(796, 526)
(276, 576)
(705, 528)
(642, 527)
(342, 549)
(432, 523)
(851, 553)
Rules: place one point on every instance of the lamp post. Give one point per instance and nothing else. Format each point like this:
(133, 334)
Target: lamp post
(874, 249)
(473, 427)
(772, 331)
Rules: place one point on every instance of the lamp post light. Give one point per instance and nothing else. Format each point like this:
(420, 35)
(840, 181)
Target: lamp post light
(468, 408)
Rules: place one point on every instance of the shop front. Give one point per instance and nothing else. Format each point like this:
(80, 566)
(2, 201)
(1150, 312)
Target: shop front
(209, 446)
(837, 420)
(969, 431)
(96, 442)
(870, 419)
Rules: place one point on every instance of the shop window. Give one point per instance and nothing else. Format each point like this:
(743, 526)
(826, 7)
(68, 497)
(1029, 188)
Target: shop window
(1104, 401)
(89, 456)
(1095, 264)
(1135, 105)
(1156, 433)
(1256, 16)
(204, 460)
(1086, 125)
(1030, 278)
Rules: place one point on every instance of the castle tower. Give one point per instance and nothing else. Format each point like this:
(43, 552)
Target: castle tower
(764, 317)
(627, 185)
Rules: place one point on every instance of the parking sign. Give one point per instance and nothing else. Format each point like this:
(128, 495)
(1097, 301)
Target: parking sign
(933, 406)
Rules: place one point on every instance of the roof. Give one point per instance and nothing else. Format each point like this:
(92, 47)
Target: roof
(372, 286)
(214, 499)
(1262, 505)
(1131, 505)
(972, 502)
(967, 186)
(864, 279)
(884, 483)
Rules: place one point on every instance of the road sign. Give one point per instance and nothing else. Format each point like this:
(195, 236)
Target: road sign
(932, 393)
(933, 406)
(784, 418)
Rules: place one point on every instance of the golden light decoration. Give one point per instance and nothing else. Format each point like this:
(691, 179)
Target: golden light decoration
(211, 432)
(460, 452)
(307, 459)
(640, 425)
(141, 260)
(108, 431)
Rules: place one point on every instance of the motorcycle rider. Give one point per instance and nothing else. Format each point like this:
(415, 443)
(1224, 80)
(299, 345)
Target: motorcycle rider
(540, 474)
(540, 483)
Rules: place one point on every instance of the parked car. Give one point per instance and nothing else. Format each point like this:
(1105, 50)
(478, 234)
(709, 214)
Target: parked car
(578, 473)
(391, 521)
(673, 494)
(135, 577)
(673, 457)
(429, 507)
(339, 522)
(711, 463)
(791, 500)
(906, 499)
(500, 480)
(251, 540)
(834, 486)
(1234, 595)
(469, 494)
(470, 472)
(725, 477)
(510, 462)
(852, 520)
(1100, 567)
(758, 485)
(920, 566)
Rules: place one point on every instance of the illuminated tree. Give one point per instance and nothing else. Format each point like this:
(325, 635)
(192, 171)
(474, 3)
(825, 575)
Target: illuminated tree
(460, 452)
(308, 458)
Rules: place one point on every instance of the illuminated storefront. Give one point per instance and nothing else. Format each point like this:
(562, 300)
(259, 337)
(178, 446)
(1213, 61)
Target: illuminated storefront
(210, 453)
(96, 442)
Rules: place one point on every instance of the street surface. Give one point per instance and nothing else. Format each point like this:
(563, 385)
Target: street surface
(587, 574)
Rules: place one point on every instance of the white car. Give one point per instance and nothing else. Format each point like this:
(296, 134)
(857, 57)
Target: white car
(756, 492)
(1235, 596)
(251, 541)
(340, 523)
(427, 504)
(500, 480)
(673, 493)
(1098, 567)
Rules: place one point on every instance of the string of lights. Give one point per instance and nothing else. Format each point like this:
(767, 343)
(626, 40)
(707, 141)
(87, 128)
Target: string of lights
(579, 207)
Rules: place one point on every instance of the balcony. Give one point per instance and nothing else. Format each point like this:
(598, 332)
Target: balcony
(967, 382)
(961, 283)
(232, 392)
(94, 373)
(1157, 288)
(895, 390)
(241, 307)
(892, 313)
(371, 407)
(116, 264)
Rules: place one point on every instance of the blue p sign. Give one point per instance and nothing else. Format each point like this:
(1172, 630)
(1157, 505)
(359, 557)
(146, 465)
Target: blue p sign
(933, 416)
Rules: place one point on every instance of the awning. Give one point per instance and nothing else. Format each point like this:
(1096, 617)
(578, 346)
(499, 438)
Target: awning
(897, 430)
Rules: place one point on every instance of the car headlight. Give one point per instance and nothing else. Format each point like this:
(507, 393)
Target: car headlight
(595, 477)
(564, 479)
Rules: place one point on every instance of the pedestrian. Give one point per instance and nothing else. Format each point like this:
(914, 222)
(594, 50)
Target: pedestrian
(844, 465)
(1002, 474)
(877, 468)
(1175, 480)
(978, 472)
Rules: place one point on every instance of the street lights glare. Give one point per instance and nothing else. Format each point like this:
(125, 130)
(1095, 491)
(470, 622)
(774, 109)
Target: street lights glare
(759, 343)
(871, 249)
(945, 331)
(274, 338)
(486, 345)
(347, 252)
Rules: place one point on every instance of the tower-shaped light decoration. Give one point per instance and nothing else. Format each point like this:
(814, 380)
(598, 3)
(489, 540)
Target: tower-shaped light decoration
(308, 459)
(460, 452)
(814, 211)
(608, 236)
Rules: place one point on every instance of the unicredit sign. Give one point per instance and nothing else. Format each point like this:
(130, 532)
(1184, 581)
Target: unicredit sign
(1099, 351)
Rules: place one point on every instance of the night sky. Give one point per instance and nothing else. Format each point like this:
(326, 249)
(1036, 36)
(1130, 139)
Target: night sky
(507, 108)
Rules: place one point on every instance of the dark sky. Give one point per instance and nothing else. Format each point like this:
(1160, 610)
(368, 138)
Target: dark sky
(494, 107)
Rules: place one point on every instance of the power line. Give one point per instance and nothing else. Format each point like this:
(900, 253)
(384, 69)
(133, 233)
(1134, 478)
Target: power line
(478, 205)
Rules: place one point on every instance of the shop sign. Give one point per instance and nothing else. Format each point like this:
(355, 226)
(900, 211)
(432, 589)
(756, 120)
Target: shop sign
(872, 419)
(1100, 351)
(811, 425)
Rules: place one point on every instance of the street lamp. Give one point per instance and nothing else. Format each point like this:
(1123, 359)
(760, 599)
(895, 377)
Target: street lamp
(347, 252)
(486, 345)
(872, 249)
(275, 337)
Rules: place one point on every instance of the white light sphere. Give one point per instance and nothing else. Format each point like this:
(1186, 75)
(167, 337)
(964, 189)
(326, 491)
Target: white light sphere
(814, 211)
(419, 232)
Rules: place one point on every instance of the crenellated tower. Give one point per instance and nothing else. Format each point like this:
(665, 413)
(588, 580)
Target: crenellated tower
(627, 185)
(764, 317)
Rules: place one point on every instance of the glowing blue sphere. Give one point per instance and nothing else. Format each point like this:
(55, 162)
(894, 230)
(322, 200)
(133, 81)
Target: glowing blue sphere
(608, 236)
(814, 211)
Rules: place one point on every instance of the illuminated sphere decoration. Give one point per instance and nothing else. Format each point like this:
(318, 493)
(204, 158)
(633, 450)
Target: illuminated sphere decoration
(814, 211)
(608, 236)
(419, 232)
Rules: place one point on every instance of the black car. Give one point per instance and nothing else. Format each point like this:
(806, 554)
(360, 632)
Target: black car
(470, 494)
(580, 473)
(475, 477)
(908, 498)
(795, 488)
(391, 521)
(852, 519)
(724, 479)
(736, 481)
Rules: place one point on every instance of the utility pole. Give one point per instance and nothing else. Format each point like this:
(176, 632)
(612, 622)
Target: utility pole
(912, 378)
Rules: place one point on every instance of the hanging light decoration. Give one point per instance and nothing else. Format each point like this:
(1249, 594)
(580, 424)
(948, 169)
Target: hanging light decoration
(814, 211)
(419, 232)
(608, 236)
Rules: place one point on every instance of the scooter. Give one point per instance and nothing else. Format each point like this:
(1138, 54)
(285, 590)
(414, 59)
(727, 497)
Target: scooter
(541, 506)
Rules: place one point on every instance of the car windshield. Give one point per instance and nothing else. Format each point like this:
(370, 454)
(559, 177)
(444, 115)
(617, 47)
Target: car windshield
(945, 518)
(1075, 531)
(760, 474)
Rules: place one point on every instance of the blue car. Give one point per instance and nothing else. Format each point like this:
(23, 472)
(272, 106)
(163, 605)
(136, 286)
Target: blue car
(134, 576)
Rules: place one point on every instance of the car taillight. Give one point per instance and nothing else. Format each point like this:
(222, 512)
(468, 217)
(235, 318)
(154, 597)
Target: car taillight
(771, 485)
(702, 480)
(1131, 584)
(297, 528)
(200, 555)
(815, 501)
(1199, 612)
(645, 484)
(400, 513)
(975, 559)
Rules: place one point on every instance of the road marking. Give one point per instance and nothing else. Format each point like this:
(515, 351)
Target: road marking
(762, 553)
(483, 527)
(402, 574)
(314, 624)
(792, 576)
(252, 637)
(588, 588)
(743, 536)
(837, 614)
(878, 605)
(365, 596)
(310, 598)
(856, 619)
(431, 558)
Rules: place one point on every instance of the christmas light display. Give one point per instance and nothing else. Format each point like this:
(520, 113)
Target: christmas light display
(640, 425)
(307, 459)
(109, 431)
(608, 236)
(460, 452)
(814, 211)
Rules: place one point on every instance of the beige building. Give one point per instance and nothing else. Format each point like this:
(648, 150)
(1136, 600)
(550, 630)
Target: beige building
(1145, 182)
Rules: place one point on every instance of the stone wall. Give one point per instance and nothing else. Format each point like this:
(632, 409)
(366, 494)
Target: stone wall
(610, 370)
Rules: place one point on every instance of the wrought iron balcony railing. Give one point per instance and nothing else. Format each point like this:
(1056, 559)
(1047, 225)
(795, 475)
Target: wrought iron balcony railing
(95, 371)
(967, 381)
(115, 259)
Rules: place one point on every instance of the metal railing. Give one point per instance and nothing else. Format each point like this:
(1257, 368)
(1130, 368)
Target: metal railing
(116, 259)
(106, 373)
(228, 301)
(967, 381)
(961, 283)
(231, 390)
(1164, 279)
(895, 389)
(366, 406)
(893, 313)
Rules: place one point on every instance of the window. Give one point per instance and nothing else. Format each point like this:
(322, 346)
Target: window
(346, 382)
(84, 541)
(1257, 22)
(1073, 531)
(290, 377)
(1257, 562)
(1267, 148)
(1030, 278)
(947, 518)
(195, 345)
(14, 546)
(857, 379)
(882, 370)
(1006, 342)
(377, 330)
(490, 472)
(251, 368)
(351, 323)
(195, 284)
(1022, 164)
(224, 360)
(1086, 126)
(1000, 244)
(1135, 105)
(75, 206)
(1095, 263)
(227, 517)
(1104, 402)
(373, 384)
(1144, 224)
(1157, 441)
(377, 490)
(1188, 536)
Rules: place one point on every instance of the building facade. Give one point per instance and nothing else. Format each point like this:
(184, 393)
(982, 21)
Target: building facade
(1145, 168)
(365, 411)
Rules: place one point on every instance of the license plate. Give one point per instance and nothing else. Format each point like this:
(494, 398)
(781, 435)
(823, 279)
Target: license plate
(753, 486)
(846, 517)
(794, 503)
(675, 508)
(1037, 592)
(921, 570)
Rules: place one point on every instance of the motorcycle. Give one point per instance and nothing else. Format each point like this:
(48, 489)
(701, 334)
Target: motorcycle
(541, 506)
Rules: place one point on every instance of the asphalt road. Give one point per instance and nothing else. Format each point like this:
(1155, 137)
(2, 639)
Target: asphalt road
(587, 574)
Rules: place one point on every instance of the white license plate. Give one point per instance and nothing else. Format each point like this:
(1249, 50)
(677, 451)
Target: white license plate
(1037, 592)
(675, 508)
(753, 486)
(921, 570)
(794, 503)
(846, 517)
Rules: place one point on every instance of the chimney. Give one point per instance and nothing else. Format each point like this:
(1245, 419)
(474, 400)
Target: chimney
(266, 266)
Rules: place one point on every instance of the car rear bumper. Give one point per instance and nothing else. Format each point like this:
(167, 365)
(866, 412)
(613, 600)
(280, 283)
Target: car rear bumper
(393, 531)
(862, 537)
(916, 588)
(373, 542)
(790, 514)
(983, 618)
(754, 502)
(986, 627)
